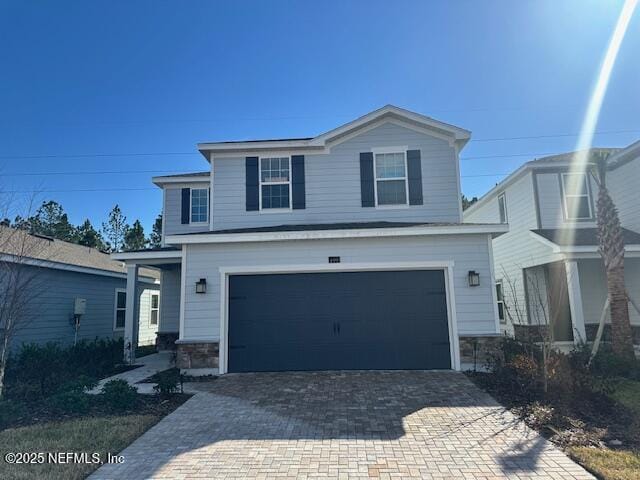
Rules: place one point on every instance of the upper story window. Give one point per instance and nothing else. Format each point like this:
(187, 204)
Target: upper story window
(391, 178)
(275, 183)
(576, 196)
(502, 208)
(199, 205)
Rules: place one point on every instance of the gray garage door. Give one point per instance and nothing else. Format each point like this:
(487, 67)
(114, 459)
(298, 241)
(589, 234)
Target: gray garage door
(338, 321)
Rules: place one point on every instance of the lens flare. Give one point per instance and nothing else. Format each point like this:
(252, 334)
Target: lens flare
(575, 183)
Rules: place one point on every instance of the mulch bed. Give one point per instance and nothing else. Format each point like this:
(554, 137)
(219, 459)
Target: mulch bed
(588, 419)
(185, 378)
(41, 412)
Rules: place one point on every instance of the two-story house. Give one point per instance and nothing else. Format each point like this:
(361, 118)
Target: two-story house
(547, 266)
(341, 251)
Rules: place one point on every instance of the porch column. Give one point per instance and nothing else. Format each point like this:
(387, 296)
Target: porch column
(575, 301)
(131, 315)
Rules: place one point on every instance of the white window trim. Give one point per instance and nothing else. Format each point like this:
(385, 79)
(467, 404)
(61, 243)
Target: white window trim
(447, 266)
(503, 197)
(260, 183)
(498, 301)
(191, 222)
(151, 309)
(115, 309)
(383, 150)
(585, 194)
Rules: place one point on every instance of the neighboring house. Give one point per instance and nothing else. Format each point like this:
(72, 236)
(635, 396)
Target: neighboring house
(60, 276)
(341, 251)
(548, 265)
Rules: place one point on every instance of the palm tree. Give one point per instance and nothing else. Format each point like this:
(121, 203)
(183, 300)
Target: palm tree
(611, 246)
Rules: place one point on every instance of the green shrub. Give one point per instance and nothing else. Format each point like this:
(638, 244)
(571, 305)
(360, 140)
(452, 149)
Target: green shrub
(119, 395)
(169, 382)
(44, 370)
(70, 401)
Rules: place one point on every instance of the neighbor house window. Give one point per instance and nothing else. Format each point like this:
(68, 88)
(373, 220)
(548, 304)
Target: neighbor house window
(275, 183)
(121, 307)
(155, 308)
(500, 300)
(576, 196)
(391, 178)
(199, 205)
(502, 208)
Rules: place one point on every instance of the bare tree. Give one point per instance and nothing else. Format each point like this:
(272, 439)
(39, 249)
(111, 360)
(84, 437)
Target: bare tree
(517, 312)
(21, 257)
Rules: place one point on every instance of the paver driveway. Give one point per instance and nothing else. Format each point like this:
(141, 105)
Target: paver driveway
(343, 425)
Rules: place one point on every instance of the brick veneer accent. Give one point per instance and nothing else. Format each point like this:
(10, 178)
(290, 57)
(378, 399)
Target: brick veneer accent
(166, 340)
(198, 355)
(474, 350)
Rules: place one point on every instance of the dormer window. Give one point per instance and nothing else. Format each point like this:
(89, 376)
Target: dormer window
(275, 183)
(391, 178)
(576, 196)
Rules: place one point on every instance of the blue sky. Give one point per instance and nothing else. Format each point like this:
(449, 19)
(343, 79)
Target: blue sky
(158, 76)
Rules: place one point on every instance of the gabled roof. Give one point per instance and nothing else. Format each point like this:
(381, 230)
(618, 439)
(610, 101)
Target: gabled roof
(562, 160)
(18, 244)
(321, 142)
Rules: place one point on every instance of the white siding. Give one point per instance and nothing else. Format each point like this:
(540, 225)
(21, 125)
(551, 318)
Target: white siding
(172, 215)
(623, 185)
(170, 300)
(516, 249)
(593, 284)
(146, 332)
(332, 183)
(474, 305)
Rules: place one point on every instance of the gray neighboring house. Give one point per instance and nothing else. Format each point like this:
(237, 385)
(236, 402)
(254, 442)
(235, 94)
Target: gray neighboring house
(341, 251)
(548, 265)
(64, 274)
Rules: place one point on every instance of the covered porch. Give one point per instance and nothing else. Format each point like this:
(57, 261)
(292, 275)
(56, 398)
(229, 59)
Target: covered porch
(568, 296)
(168, 261)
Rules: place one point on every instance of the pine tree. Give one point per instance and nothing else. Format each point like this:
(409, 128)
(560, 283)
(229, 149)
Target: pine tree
(134, 238)
(155, 239)
(51, 220)
(89, 237)
(114, 229)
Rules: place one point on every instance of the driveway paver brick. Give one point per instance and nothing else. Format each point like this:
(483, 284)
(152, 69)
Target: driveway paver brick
(374, 424)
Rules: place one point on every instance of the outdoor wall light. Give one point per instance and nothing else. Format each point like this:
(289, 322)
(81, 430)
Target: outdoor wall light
(201, 286)
(474, 278)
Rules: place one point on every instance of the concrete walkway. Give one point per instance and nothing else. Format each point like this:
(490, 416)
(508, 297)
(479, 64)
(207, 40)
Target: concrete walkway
(150, 364)
(342, 425)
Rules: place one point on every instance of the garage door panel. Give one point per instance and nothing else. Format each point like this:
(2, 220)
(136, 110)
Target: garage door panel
(338, 320)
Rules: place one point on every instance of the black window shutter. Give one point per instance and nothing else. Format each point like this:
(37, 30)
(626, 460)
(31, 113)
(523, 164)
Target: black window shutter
(252, 187)
(366, 179)
(297, 182)
(186, 205)
(414, 172)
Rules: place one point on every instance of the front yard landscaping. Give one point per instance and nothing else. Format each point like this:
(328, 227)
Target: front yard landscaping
(46, 409)
(591, 410)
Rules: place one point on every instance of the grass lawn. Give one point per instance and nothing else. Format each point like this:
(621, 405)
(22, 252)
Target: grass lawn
(627, 392)
(609, 464)
(89, 434)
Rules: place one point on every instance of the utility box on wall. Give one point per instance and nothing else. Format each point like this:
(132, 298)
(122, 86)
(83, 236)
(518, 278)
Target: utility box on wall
(80, 306)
